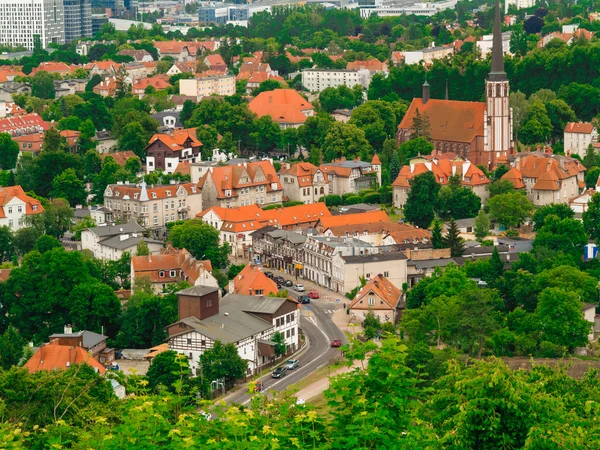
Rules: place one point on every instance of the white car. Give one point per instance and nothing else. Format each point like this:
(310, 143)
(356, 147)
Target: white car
(299, 287)
(292, 364)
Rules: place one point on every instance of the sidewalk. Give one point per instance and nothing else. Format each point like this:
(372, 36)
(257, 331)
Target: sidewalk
(321, 385)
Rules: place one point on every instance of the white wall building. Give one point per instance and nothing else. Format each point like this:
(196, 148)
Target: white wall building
(520, 4)
(110, 242)
(21, 20)
(16, 206)
(485, 44)
(207, 86)
(578, 136)
(316, 80)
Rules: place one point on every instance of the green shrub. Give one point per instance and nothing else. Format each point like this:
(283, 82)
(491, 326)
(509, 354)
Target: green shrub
(372, 198)
(353, 200)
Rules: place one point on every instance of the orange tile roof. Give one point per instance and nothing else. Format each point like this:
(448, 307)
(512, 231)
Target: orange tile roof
(171, 47)
(376, 161)
(184, 168)
(35, 140)
(52, 67)
(158, 82)
(358, 218)
(449, 120)
(53, 356)
(304, 172)
(388, 295)
(5, 274)
(515, 177)
(177, 139)
(25, 124)
(228, 177)
(259, 77)
(579, 127)
(250, 280)
(215, 60)
(443, 169)
(399, 231)
(370, 64)
(239, 214)
(120, 157)
(283, 105)
(186, 267)
(547, 169)
(7, 194)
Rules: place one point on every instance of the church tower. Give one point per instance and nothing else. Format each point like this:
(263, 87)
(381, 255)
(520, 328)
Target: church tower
(498, 131)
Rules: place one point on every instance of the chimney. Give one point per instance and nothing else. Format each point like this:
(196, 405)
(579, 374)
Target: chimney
(425, 92)
(68, 329)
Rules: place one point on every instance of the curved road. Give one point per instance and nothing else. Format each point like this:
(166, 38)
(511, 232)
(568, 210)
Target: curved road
(319, 329)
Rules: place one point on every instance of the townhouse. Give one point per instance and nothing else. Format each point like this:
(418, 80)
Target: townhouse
(166, 151)
(305, 182)
(347, 270)
(252, 281)
(279, 249)
(206, 84)
(350, 176)
(578, 136)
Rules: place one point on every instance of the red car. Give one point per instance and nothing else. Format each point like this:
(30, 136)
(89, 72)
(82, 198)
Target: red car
(314, 294)
(336, 343)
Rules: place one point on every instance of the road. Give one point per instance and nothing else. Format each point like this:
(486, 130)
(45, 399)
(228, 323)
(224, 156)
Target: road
(319, 329)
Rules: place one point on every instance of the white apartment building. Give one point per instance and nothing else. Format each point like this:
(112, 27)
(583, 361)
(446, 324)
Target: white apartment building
(578, 136)
(21, 20)
(520, 4)
(485, 44)
(152, 207)
(428, 55)
(316, 80)
(418, 9)
(207, 86)
(348, 270)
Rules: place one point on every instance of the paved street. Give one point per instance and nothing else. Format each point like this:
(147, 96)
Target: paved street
(319, 329)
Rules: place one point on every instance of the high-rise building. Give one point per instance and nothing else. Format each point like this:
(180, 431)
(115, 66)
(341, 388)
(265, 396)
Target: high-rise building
(22, 20)
(78, 19)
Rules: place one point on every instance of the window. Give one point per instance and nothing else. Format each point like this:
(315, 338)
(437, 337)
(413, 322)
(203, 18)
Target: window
(288, 334)
(155, 220)
(11, 223)
(191, 357)
(386, 274)
(259, 292)
(34, 207)
(19, 209)
(161, 274)
(293, 331)
(172, 274)
(371, 301)
(166, 205)
(208, 303)
(10, 209)
(155, 207)
(189, 341)
(168, 193)
(202, 342)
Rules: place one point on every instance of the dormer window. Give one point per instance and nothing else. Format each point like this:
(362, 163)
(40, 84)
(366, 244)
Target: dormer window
(193, 189)
(172, 274)
(168, 193)
(34, 207)
(135, 196)
(118, 194)
(228, 193)
(161, 274)
(154, 195)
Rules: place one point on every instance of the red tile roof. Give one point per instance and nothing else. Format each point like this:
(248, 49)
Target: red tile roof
(24, 124)
(53, 356)
(186, 267)
(387, 295)
(579, 127)
(252, 281)
(370, 64)
(400, 232)
(121, 190)
(215, 60)
(443, 169)
(120, 157)
(177, 139)
(52, 67)
(228, 177)
(304, 172)
(358, 218)
(157, 81)
(259, 77)
(7, 194)
(546, 169)
(173, 47)
(283, 105)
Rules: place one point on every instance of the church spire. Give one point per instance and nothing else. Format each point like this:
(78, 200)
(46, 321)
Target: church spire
(497, 73)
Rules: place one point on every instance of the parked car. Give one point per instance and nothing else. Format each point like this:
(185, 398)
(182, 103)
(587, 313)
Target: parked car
(279, 279)
(289, 283)
(269, 274)
(292, 364)
(314, 294)
(299, 287)
(336, 343)
(304, 299)
(280, 372)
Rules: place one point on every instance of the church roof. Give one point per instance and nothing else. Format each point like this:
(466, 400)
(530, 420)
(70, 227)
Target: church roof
(449, 120)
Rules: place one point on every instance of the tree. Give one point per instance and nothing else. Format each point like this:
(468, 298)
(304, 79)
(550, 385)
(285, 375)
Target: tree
(280, 346)
(222, 362)
(201, 240)
(414, 147)
(68, 186)
(518, 41)
(94, 81)
(268, 85)
(500, 187)
(453, 240)
(377, 119)
(312, 133)
(537, 127)
(437, 240)
(520, 106)
(341, 97)
(46, 243)
(10, 152)
(421, 127)
(561, 320)
(266, 135)
(591, 177)
(186, 111)
(6, 244)
(167, 369)
(591, 218)
(590, 158)
(24, 239)
(561, 210)
(94, 307)
(83, 224)
(132, 138)
(11, 348)
(53, 141)
(42, 85)
(419, 208)
(371, 325)
(482, 226)
(133, 165)
(87, 131)
(209, 137)
(142, 249)
(510, 209)
(457, 202)
(533, 25)
(566, 235)
(559, 114)
(55, 220)
(478, 319)
(394, 168)
(345, 140)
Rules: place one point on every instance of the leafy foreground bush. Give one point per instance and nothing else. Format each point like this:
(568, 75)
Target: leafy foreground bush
(385, 405)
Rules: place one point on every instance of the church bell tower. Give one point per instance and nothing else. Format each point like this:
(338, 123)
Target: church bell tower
(498, 132)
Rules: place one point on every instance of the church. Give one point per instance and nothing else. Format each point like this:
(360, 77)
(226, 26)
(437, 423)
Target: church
(477, 131)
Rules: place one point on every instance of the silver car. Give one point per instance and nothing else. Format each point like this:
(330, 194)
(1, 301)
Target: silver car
(298, 287)
(292, 364)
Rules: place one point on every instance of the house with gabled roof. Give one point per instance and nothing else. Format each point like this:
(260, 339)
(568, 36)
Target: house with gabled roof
(373, 65)
(578, 136)
(305, 182)
(215, 62)
(54, 356)
(285, 106)
(350, 175)
(166, 151)
(443, 166)
(109, 242)
(545, 177)
(158, 82)
(16, 206)
(170, 266)
(241, 185)
(252, 281)
(326, 223)
(380, 297)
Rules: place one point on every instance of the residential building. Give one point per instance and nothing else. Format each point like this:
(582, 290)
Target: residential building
(427, 55)
(158, 82)
(285, 106)
(241, 185)
(578, 137)
(138, 55)
(32, 143)
(580, 204)
(252, 281)
(93, 343)
(408, 9)
(178, 50)
(479, 132)
(172, 266)
(53, 356)
(215, 62)
(166, 151)
(520, 4)
(59, 68)
(279, 249)
(348, 176)
(341, 115)
(380, 297)
(106, 88)
(169, 119)
(16, 207)
(152, 207)
(317, 80)
(22, 20)
(23, 125)
(373, 65)
(443, 166)
(181, 67)
(258, 77)
(236, 225)
(305, 182)
(109, 242)
(546, 178)
(78, 19)
(319, 252)
(248, 322)
(252, 67)
(328, 222)
(205, 86)
(120, 157)
(381, 233)
(485, 44)
(347, 270)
